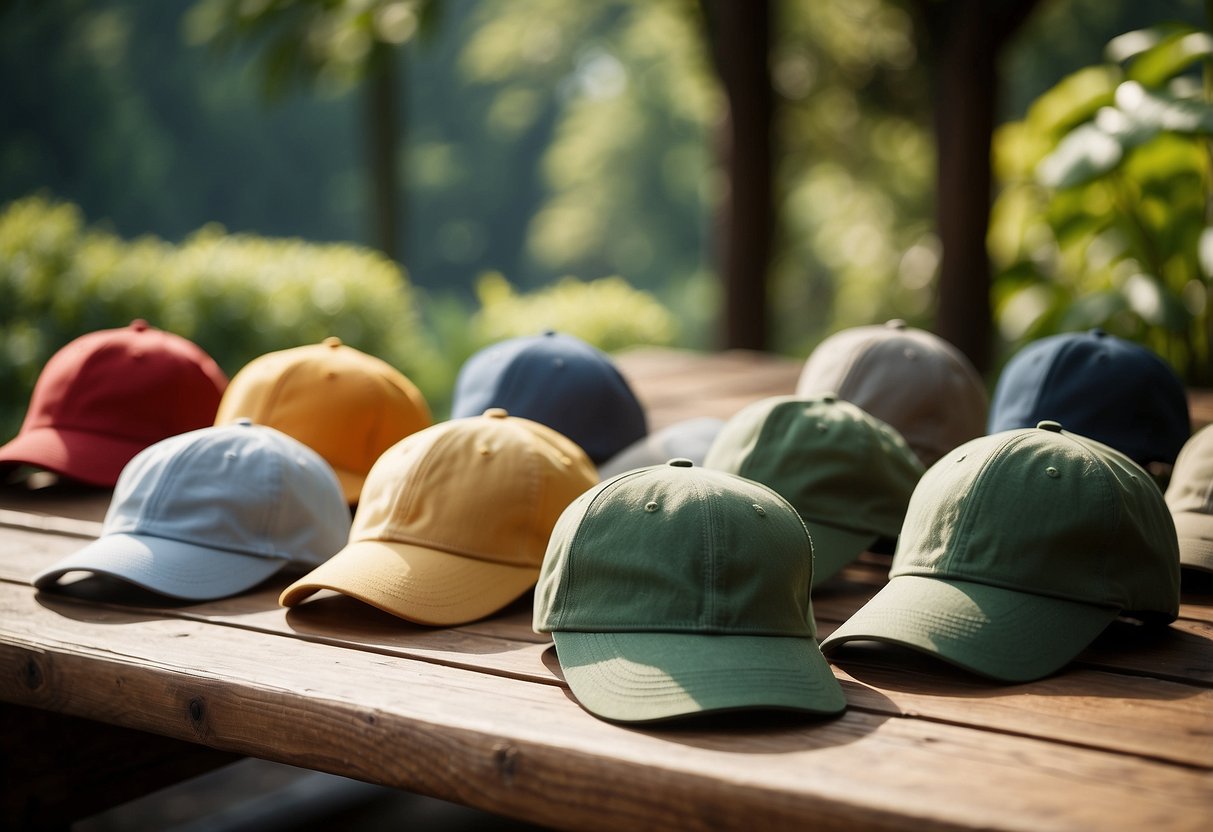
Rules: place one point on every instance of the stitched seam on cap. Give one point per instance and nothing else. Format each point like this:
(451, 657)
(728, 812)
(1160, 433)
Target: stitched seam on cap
(1106, 497)
(533, 475)
(271, 397)
(569, 584)
(860, 357)
(402, 501)
(969, 512)
(152, 505)
(702, 498)
(274, 506)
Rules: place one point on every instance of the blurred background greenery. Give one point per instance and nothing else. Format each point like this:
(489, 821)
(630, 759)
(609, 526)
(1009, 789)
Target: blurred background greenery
(466, 170)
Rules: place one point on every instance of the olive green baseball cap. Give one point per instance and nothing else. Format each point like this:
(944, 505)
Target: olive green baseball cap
(1018, 549)
(848, 474)
(674, 590)
(1190, 499)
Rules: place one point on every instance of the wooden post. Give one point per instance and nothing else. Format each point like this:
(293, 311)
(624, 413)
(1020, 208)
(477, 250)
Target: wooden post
(739, 35)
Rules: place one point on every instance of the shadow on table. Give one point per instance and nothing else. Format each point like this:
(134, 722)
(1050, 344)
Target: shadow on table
(760, 731)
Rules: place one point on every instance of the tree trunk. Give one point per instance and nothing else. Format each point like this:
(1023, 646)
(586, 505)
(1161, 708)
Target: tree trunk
(739, 35)
(965, 39)
(383, 105)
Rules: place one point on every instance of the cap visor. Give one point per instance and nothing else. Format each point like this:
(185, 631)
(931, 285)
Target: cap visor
(169, 567)
(834, 548)
(1005, 634)
(642, 677)
(419, 584)
(91, 458)
(1195, 539)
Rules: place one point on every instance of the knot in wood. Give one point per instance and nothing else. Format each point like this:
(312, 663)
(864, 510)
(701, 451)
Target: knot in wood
(197, 710)
(33, 674)
(505, 758)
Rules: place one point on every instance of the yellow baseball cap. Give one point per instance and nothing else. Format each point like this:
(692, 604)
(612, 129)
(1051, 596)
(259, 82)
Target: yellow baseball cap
(454, 520)
(347, 406)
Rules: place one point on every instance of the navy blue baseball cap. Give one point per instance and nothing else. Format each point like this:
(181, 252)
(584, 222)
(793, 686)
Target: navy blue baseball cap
(559, 381)
(1100, 386)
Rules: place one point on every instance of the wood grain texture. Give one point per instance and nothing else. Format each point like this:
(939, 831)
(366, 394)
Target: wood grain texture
(1086, 707)
(528, 751)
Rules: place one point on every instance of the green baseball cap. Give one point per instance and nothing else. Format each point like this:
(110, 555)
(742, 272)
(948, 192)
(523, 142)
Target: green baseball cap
(1018, 549)
(674, 590)
(848, 474)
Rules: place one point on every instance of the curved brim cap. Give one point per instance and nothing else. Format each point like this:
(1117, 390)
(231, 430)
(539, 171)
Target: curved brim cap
(169, 567)
(1001, 633)
(91, 458)
(1195, 539)
(834, 548)
(415, 583)
(643, 677)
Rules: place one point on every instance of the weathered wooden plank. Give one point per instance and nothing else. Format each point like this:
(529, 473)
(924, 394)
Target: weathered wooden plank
(1045, 709)
(526, 750)
(55, 769)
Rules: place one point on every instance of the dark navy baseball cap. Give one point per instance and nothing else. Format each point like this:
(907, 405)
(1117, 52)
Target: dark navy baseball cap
(559, 381)
(1100, 386)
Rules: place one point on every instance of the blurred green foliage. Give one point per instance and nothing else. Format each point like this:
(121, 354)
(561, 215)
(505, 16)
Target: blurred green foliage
(1106, 201)
(606, 312)
(239, 296)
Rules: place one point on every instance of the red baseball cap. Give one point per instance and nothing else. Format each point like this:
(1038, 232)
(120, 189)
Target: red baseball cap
(108, 395)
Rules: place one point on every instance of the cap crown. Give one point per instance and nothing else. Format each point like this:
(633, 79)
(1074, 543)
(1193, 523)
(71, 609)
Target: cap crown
(137, 383)
(556, 380)
(487, 487)
(1191, 486)
(835, 463)
(1097, 385)
(677, 549)
(1045, 512)
(346, 405)
(242, 488)
(913, 380)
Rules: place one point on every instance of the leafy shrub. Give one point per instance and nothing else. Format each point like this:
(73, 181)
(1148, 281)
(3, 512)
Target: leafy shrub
(607, 312)
(1106, 196)
(236, 296)
(239, 296)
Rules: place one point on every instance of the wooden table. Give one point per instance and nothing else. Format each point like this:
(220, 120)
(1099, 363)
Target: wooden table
(107, 699)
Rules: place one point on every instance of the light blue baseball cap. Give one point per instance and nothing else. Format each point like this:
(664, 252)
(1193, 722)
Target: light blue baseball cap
(214, 512)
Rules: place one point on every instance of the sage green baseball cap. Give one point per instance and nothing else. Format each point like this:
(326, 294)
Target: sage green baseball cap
(848, 474)
(1018, 549)
(1190, 499)
(674, 590)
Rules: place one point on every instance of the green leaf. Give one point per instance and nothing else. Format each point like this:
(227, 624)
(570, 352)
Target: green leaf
(1163, 111)
(1087, 152)
(1170, 57)
(1205, 252)
(1149, 299)
(1132, 44)
(1074, 99)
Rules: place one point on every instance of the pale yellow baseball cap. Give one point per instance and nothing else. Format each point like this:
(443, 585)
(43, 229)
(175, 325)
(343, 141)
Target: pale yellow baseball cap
(344, 404)
(454, 520)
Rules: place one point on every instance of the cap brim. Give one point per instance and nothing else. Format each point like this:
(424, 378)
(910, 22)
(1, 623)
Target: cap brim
(169, 567)
(643, 677)
(91, 458)
(1195, 539)
(1005, 634)
(834, 548)
(415, 583)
